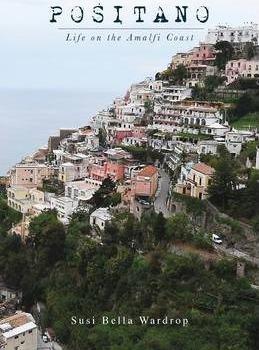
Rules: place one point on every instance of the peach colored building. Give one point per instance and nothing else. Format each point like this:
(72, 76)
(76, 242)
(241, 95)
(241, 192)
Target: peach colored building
(115, 170)
(29, 175)
(139, 132)
(146, 182)
(98, 170)
(117, 159)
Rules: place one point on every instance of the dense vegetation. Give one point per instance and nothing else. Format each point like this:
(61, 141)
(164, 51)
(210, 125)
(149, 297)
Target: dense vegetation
(144, 154)
(245, 111)
(8, 216)
(132, 273)
(175, 76)
(234, 189)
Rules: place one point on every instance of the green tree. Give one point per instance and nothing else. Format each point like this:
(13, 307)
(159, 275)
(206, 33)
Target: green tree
(224, 182)
(102, 135)
(178, 227)
(180, 74)
(47, 238)
(104, 196)
(160, 228)
(225, 53)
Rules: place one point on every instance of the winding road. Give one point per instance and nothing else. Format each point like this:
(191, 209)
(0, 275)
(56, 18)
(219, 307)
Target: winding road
(160, 203)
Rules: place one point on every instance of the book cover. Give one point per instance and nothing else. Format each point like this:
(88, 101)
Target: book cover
(129, 175)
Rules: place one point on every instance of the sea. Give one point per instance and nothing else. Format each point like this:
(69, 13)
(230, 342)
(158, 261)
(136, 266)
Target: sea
(29, 117)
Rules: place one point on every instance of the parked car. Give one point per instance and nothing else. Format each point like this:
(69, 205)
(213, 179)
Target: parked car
(45, 338)
(216, 239)
(143, 202)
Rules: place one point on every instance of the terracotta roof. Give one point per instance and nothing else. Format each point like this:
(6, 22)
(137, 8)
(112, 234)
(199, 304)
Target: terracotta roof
(148, 171)
(204, 169)
(16, 320)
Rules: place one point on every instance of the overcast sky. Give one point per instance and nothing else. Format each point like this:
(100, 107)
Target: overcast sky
(34, 53)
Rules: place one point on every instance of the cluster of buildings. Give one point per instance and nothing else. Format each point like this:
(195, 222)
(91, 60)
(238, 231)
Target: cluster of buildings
(200, 61)
(80, 175)
(18, 330)
(248, 32)
(154, 115)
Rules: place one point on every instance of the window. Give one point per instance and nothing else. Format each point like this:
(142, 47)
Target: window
(30, 331)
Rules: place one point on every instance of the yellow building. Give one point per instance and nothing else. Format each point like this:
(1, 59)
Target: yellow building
(197, 182)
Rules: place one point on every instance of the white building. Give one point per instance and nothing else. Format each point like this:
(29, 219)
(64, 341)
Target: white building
(82, 190)
(174, 93)
(65, 207)
(185, 115)
(235, 139)
(207, 147)
(234, 142)
(100, 217)
(216, 129)
(240, 34)
(18, 332)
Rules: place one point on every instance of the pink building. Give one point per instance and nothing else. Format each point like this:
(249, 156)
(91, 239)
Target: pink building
(146, 182)
(202, 55)
(205, 54)
(122, 134)
(241, 69)
(29, 175)
(112, 165)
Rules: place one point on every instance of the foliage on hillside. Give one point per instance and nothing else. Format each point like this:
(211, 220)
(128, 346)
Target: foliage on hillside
(144, 154)
(8, 216)
(75, 275)
(246, 105)
(248, 121)
(175, 76)
(233, 189)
